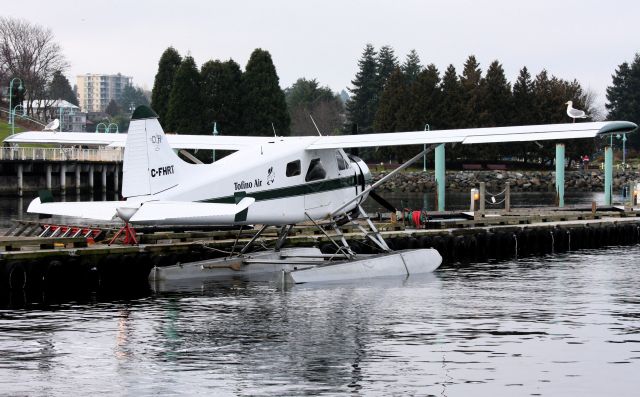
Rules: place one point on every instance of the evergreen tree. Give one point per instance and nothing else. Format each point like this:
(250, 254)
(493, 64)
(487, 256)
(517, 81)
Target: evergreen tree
(393, 100)
(623, 97)
(167, 66)
(59, 88)
(524, 112)
(361, 108)
(305, 92)
(496, 101)
(541, 93)
(112, 108)
(451, 110)
(222, 96)
(412, 66)
(386, 64)
(307, 97)
(264, 105)
(472, 86)
(131, 98)
(496, 105)
(523, 99)
(425, 100)
(184, 115)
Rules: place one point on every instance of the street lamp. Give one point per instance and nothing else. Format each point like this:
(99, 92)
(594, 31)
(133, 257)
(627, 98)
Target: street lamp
(215, 133)
(427, 128)
(108, 129)
(12, 116)
(103, 125)
(20, 88)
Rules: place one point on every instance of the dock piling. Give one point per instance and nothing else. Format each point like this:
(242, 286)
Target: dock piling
(608, 175)
(441, 181)
(560, 175)
(77, 178)
(104, 179)
(48, 176)
(63, 178)
(20, 179)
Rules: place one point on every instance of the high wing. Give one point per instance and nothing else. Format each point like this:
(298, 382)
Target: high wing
(464, 136)
(219, 142)
(476, 135)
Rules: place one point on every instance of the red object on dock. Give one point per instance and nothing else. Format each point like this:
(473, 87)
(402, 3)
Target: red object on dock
(128, 235)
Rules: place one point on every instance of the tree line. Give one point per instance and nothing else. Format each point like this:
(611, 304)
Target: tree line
(190, 100)
(389, 96)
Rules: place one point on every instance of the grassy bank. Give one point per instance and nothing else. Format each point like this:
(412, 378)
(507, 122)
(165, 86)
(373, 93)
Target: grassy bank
(5, 129)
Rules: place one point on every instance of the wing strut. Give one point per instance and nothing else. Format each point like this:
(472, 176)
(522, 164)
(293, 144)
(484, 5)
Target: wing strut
(383, 180)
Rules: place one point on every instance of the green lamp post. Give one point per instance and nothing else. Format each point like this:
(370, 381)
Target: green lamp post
(20, 88)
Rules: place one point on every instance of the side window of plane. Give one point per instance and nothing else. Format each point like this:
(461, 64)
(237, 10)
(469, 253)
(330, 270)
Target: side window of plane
(316, 171)
(293, 168)
(342, 163)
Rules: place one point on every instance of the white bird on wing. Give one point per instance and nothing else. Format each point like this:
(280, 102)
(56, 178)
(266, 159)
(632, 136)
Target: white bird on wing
(575, 113)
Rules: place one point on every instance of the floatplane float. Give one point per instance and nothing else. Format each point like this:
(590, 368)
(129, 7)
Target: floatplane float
(272, 181)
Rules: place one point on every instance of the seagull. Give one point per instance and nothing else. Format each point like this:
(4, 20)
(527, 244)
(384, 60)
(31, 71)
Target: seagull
(574, 113)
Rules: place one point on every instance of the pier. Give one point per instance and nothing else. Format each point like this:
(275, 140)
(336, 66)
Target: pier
(31, 262)
(24, 169)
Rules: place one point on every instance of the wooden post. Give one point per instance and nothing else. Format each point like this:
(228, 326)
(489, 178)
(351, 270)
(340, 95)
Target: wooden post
(483, 188)
(507, 198)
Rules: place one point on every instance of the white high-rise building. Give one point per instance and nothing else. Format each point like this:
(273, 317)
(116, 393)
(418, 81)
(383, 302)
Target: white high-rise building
(95, 91)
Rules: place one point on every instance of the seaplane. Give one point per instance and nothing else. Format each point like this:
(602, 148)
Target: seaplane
(272, 181)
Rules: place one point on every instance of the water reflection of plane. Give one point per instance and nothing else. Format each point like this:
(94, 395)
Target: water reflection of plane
(260, 337)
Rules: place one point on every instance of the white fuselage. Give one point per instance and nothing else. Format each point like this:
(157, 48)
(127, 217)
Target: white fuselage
(288, 183)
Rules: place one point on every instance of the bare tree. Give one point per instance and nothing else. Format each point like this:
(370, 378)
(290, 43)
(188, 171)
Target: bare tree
(28, 51)
(595, 111)
(328, 115)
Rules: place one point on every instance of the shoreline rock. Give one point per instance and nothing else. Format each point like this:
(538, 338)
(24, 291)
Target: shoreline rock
(520, 181)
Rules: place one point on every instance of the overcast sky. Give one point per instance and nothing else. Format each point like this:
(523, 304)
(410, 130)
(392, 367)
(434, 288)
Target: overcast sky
(323, 39)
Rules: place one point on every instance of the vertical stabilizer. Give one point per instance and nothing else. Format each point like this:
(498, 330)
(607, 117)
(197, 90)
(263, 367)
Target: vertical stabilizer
(150, 165)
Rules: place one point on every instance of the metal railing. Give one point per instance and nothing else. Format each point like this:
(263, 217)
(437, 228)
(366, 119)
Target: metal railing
(61, 154)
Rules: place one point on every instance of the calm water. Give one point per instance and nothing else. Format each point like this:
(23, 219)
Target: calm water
(560, 325)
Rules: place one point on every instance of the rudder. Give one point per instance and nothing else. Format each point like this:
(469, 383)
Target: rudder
(150, 166)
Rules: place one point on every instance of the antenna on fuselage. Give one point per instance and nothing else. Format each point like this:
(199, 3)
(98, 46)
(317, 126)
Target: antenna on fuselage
(314, 124)
(274, 130)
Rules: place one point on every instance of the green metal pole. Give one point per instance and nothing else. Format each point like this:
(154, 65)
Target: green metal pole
(440, 175)
(427, 127)
(608, 175)
(560, 174)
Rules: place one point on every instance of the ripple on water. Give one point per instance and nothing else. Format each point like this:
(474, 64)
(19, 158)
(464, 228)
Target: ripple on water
(550, 325)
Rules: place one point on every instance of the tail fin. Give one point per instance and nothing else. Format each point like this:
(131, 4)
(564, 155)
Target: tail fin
(150, 165)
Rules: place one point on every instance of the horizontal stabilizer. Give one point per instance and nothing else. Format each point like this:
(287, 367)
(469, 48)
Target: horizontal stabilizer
(158, 211)
(100, 210)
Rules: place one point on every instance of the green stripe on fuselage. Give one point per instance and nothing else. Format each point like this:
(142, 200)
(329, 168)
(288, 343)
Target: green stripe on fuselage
(291, 191)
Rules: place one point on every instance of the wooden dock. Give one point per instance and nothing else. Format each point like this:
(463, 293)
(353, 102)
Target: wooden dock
(56, 262)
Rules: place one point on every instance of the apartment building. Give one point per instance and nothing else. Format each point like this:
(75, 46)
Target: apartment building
(95, 91)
